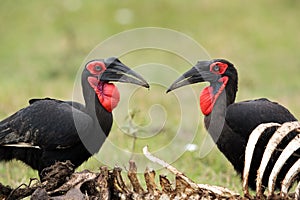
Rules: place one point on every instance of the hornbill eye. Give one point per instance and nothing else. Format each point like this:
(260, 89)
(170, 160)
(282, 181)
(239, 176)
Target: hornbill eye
(98, 68)
(95, 67)
(216, 68)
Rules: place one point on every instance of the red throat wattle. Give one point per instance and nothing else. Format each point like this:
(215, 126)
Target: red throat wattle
(208, 98)
(107, 93)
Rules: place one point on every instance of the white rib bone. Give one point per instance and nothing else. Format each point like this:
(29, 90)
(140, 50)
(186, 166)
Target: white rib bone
(253, 138)
(21, 145)
(271, 146)
(289, 178)
(286, 153)
(297, 191)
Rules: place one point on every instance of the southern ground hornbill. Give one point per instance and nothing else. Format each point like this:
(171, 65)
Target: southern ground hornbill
(229, 123)
(51, 130)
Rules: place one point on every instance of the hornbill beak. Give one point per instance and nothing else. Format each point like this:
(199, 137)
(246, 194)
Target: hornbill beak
(198, 73)
(117, 71)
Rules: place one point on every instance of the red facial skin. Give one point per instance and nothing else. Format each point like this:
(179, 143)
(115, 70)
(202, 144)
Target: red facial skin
(107, 93)
(207, 97)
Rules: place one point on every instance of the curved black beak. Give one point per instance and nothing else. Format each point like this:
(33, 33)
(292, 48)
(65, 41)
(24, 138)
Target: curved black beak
(117, 71)
(198, 73)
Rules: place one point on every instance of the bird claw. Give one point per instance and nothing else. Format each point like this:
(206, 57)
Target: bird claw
(290, 177)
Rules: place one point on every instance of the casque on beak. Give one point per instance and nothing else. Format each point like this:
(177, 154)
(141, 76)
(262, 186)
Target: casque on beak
(118, 72)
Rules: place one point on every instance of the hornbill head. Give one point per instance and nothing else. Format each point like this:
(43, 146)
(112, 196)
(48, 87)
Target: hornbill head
(219, 73)
(99, 74)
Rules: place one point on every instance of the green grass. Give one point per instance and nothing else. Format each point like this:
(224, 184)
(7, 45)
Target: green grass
(43, 44)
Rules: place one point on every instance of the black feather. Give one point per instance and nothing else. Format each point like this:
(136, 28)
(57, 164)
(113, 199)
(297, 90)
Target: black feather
(238, 120)
(57, 131)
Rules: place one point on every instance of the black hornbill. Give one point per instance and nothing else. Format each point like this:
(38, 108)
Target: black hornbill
(51, 130)
(229, 123)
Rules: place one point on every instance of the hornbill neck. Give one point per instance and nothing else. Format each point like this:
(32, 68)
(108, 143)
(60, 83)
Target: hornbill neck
(229, 93)
(215, 120)
(104, 118)
(231, 90)
(95, 135)
(94, 108)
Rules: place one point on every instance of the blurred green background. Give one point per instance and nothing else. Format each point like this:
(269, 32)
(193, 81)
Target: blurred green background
(43, 44)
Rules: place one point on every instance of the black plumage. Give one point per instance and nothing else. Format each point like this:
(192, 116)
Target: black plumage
(230, 123)
(51, 130)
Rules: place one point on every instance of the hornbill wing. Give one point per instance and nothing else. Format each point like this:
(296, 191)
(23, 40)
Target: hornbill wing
(31, 101)
(245, 116)
(76, 105)
(45, 123)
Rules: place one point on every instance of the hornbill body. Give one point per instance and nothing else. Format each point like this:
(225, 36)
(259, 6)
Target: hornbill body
(230, 123)
(51, 130)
